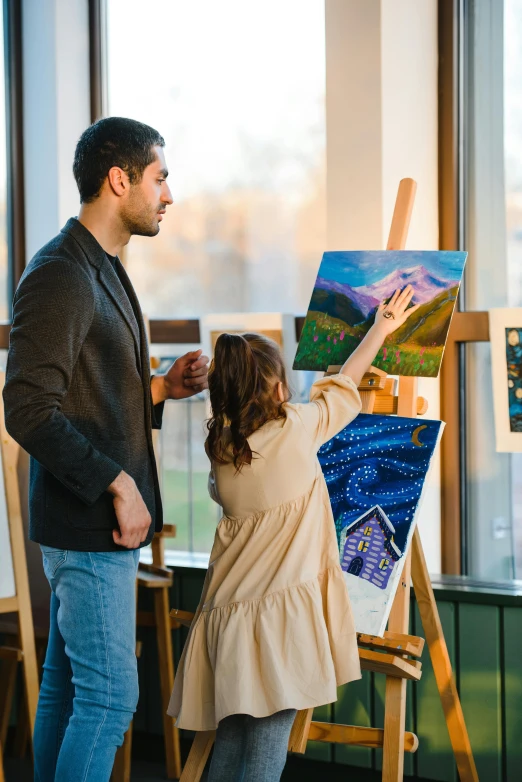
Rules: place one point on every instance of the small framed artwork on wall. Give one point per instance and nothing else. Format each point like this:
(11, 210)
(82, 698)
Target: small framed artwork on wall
(505, 329)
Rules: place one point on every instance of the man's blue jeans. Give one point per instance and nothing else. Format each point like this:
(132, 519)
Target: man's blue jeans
(90, 684)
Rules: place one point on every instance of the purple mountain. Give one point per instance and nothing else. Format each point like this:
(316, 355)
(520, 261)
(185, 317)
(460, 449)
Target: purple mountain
(365, 303)
(426, 285)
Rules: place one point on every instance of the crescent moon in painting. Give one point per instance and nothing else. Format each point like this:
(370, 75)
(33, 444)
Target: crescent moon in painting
(415, 436)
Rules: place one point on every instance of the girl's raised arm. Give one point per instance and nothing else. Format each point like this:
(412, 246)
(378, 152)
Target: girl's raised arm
(387, 320)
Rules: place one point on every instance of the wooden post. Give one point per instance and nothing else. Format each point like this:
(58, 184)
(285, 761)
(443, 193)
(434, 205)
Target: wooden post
(166, 671)
(198, 756)
(395, 698)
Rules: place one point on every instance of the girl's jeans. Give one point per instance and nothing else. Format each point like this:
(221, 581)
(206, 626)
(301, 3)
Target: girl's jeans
(249, 749)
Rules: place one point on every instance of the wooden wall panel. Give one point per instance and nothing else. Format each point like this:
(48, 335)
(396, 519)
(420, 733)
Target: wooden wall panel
(480, 685)
(435, 756)
(512, 692)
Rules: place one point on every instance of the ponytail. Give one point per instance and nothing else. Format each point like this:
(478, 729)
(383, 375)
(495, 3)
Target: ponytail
(241, 383)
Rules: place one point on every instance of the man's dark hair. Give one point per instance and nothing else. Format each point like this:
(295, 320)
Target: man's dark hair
(113, 141)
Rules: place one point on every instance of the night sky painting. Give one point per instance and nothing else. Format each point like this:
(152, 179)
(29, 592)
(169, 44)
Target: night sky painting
(514, 368)
(378, 461)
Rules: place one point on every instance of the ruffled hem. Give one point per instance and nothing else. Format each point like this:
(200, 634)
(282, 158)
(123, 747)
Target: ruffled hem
(289, 649)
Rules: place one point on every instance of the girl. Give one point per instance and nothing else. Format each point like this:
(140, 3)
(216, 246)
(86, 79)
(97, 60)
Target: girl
(274, 631)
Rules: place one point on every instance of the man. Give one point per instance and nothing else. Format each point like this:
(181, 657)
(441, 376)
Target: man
(79, 398)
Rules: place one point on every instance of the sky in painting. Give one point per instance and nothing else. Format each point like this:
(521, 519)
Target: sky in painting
(358, 268)
(375, 461)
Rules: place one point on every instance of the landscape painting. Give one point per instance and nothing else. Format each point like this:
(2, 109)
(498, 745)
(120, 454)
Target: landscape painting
(349, 288)
(505, 331)
(375, 470)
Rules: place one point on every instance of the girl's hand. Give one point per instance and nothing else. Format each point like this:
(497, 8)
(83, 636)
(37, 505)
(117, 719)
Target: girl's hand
(390, 316)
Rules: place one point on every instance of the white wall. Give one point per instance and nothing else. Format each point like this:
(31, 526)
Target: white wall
(56, 111)
(382, 103)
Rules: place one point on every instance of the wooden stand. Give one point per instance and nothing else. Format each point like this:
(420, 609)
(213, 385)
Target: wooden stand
(20, 604)
(158, 578)
(396, 654)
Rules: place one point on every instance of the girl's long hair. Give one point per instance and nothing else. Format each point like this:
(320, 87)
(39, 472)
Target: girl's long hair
(242, 379)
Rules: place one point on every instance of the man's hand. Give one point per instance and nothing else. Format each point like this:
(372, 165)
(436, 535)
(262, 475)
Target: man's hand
(186, 377)
(133, 517)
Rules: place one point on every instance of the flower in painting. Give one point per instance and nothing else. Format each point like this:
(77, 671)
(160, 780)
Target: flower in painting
(328, 351)
(341, 335)
(328, 338)
(335, 340)
(398, 357)
(385, 354)
(316, 338)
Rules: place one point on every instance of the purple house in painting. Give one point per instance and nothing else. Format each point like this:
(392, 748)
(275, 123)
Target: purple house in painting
(368, 549)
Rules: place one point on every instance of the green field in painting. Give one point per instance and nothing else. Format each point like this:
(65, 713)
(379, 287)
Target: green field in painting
(416, 347)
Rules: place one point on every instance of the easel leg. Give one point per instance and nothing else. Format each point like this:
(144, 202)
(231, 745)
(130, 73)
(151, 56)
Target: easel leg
(2, 777)
(198, 756)
(442, 665)
(166, 668)
(395, 699)
(121, 771)
(394, 727)
(22, 737)
(7, 688)
(300, 730)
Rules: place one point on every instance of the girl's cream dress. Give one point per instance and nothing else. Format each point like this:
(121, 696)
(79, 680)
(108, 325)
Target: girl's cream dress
(274, 628)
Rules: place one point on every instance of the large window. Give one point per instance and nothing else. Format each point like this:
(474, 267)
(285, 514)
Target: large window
(492, 103)
(237, 89)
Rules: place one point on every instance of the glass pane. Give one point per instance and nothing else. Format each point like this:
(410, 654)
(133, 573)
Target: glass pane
(513, 175)
(237, 89)
(184, 477)
(3, 185)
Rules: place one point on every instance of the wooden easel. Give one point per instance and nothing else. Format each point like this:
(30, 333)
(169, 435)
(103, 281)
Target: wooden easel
(396, 654)
(20, 603)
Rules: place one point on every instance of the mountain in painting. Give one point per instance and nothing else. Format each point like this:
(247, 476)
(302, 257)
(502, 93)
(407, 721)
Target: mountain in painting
(364, 302)
(426, 285)
(336, 305)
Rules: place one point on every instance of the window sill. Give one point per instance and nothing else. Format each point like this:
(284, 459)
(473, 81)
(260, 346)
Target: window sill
(177, 559)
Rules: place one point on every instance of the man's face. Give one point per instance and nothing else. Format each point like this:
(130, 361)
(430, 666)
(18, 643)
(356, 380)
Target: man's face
(147, 201)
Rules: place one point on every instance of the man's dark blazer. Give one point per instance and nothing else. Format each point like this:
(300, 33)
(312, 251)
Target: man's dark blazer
(77, 394)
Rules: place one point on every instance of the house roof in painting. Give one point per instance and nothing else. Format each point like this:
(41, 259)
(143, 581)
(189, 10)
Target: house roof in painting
(377, 514)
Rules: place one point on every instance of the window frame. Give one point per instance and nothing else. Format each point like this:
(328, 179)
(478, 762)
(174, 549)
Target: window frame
(12, 17)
